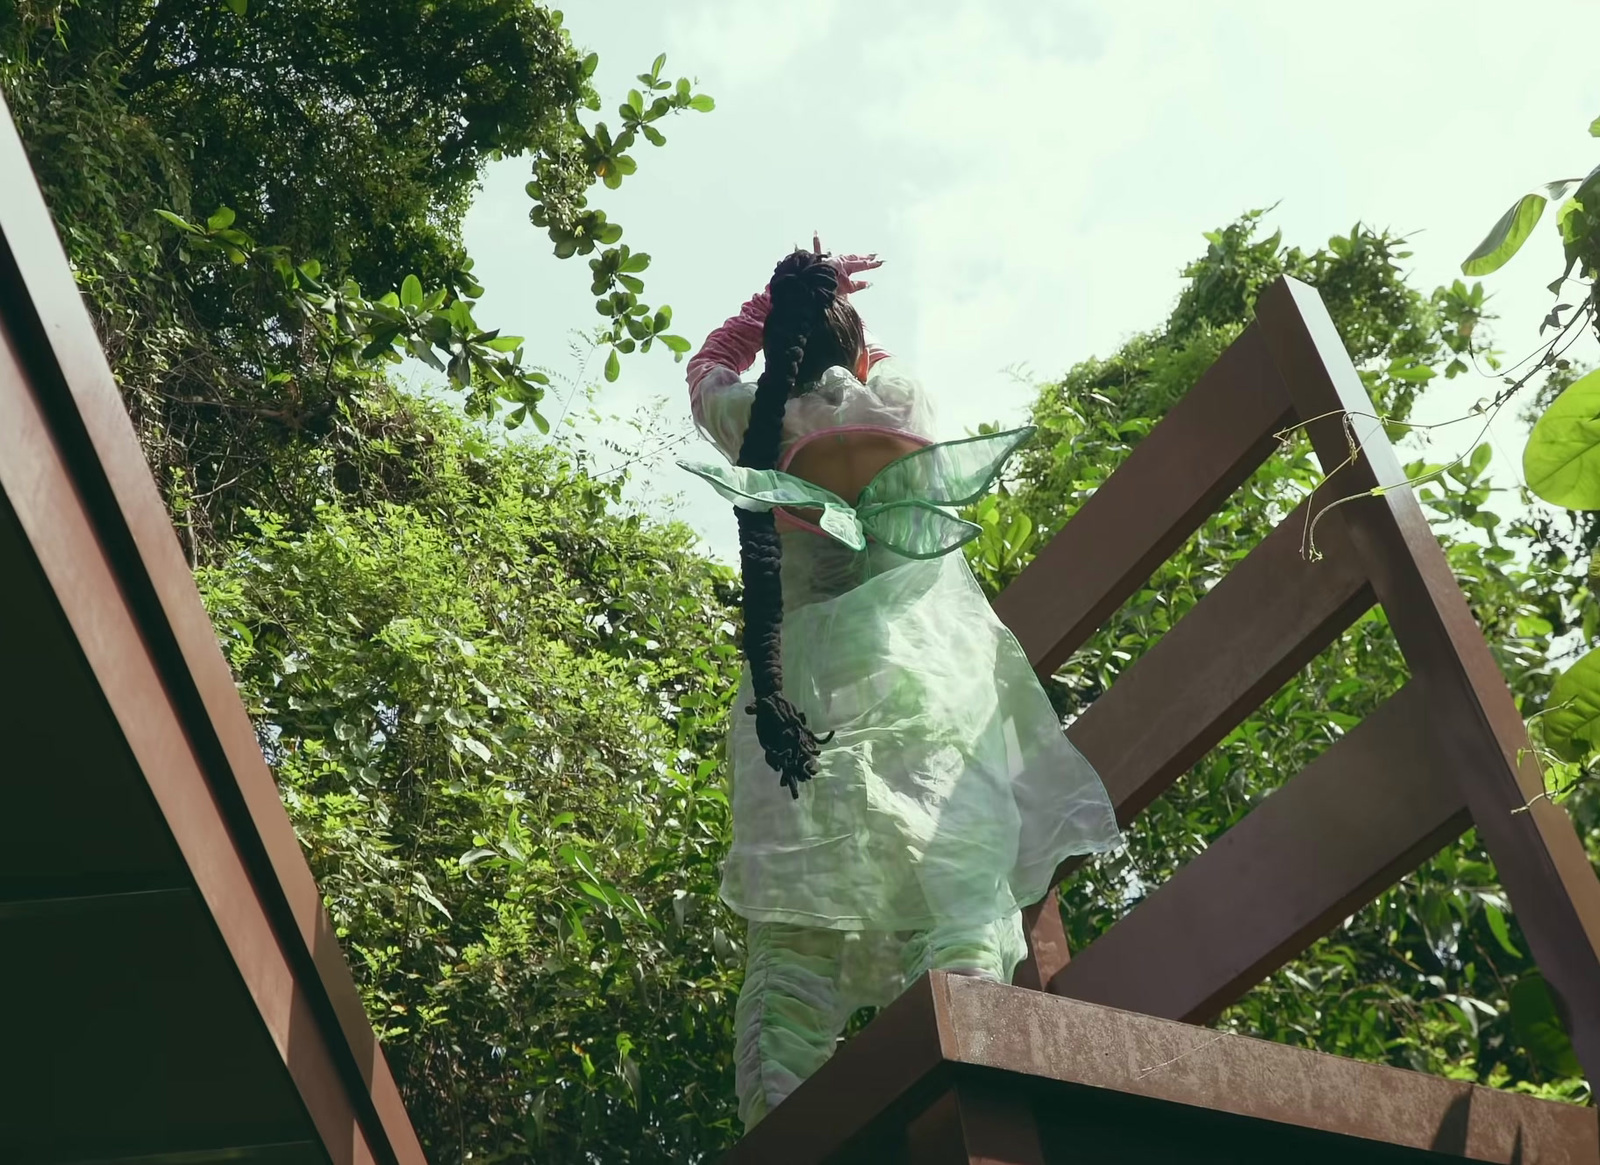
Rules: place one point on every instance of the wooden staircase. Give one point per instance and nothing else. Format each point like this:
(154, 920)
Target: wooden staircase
(1036, 1072)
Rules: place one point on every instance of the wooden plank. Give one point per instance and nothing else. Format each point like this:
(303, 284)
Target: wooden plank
(1480, 735)
(1260, 624)
(1358, 818)
(948, 1030)
(1202, 451)
(1048, 951)
(72, 468)
(1136, 1059)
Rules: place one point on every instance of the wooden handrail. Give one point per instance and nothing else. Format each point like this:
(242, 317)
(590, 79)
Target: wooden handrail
(1450, 751)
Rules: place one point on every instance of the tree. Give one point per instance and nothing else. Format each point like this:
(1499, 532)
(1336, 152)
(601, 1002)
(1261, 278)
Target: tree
(1433, 975)
(495, 713)
(345, 136)
(490, 697)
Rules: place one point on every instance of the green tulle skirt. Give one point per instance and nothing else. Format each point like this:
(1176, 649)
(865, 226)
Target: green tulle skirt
(948, 793)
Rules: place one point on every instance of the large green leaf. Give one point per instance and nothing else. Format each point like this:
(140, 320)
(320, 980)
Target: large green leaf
(1572, 726)
(1539, 1028)
(1562, 460)
(1506, 237)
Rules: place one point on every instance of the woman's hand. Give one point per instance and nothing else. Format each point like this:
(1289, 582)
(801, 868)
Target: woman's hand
(846, 267)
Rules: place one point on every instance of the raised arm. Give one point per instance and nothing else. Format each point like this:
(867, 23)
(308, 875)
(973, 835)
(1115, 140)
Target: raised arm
(734, 345)
(718, 399)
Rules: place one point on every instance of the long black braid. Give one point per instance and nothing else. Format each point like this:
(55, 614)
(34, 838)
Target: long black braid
(804, 289)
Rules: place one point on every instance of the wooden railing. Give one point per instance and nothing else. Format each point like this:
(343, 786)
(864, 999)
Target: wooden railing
(1447, 752)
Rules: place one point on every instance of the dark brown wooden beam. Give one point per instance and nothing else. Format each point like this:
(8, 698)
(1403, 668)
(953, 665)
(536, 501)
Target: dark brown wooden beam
(72, 470)
(1358, 818)
(1202, 451)
(1478, 731)
(986, 1121)
(1272, 614)
(1048, 951)
(1114, 1073)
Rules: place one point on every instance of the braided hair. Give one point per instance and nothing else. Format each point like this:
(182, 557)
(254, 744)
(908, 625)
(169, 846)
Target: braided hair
(808, 330)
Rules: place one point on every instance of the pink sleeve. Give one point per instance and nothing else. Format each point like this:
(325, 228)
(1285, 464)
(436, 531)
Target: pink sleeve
(734, 345)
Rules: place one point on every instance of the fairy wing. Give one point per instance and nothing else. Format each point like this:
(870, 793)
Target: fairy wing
(906, 506)
(767, 489)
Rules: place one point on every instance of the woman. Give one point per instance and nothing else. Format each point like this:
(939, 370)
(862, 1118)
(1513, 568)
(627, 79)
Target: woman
(901, 785)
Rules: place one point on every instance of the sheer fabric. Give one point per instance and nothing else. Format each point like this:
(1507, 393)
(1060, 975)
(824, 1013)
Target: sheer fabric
(948, 793)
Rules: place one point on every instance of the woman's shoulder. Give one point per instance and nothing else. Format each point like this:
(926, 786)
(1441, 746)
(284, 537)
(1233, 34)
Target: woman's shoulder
(890, 397)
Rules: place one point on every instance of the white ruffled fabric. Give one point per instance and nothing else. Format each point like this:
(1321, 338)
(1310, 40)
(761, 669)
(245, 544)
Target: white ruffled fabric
(890, 399)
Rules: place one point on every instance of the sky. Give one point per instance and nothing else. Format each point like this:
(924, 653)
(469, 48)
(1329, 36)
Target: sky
(1035, 177)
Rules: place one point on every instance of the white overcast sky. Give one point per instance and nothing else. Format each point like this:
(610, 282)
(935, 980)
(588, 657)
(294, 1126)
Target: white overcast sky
(1036, 175)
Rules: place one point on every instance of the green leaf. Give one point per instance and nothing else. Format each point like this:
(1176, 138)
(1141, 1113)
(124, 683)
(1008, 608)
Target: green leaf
(1594, 128)
(411, 292)
(655, 69)
(1572, 724)
(1506, 237)
(504, 343)
(613, 365)
(1478, 462)
(1537, 1024)
(1562, 459)
(589, 64)
(237, 7)
(1502, 932)
(702, 103)
(179, 221)
(220, 221)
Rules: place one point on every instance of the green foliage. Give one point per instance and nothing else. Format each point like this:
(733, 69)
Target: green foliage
(170, 135)
(1424, 976)
(495, 713)
(1562, 459)
(404, 101)
(561, 207)
(1572, 723)
(349, 331)
(1506, 237)
(494, 703)
(1559, 460)
(1541, 1028)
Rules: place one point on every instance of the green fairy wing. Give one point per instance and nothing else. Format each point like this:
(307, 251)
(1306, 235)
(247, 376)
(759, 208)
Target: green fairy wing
(767, 489)
(951, 473)
(906, 506)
